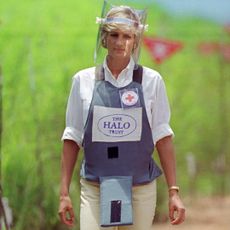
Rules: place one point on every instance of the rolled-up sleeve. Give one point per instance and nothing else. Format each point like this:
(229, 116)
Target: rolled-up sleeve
(161, 113)
(74, 115)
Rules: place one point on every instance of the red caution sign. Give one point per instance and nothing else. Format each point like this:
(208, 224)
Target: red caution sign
(209, 48)
(161, 49)
(227, 28)
(225, 50)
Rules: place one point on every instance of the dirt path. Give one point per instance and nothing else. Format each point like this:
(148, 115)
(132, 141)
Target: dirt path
(203, 214)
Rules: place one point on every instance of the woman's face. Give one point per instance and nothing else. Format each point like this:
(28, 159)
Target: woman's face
(120, 44)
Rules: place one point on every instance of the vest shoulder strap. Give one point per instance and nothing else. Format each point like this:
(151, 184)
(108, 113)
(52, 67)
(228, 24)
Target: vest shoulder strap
(137, 74)
(99, 73)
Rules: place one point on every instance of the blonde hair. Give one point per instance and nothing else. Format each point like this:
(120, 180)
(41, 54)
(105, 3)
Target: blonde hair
(121, 12)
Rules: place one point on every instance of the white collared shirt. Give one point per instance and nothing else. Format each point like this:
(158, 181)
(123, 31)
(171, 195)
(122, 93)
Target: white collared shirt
(156, 101)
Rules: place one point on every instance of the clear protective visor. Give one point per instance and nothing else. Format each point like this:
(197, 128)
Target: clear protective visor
(122, 17)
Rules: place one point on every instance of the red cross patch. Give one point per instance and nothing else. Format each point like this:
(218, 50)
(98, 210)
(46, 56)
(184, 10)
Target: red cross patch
(129, 98)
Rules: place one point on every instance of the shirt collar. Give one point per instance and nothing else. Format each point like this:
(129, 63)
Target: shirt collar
(124, 78)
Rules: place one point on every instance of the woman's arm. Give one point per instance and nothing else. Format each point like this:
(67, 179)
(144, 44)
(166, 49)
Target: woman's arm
(69, 158)
(166, 153)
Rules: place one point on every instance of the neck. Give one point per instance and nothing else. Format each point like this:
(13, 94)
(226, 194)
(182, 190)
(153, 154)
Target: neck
(116, 66)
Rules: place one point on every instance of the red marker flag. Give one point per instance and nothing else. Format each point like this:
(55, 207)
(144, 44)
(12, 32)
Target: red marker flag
(225, 51)
(227, 28)
(161, 48)
(209, 47)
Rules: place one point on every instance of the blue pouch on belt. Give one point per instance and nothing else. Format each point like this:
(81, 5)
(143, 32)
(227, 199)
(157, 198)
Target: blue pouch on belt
(116, 201)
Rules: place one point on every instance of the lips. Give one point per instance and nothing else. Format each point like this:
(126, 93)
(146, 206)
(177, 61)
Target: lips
(119, 50)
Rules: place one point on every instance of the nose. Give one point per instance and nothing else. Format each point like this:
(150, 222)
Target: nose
(119, 40)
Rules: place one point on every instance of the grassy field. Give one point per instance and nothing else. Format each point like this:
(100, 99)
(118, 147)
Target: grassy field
(43, 44)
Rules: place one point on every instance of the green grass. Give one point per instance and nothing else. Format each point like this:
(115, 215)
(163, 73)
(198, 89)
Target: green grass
(42, 45)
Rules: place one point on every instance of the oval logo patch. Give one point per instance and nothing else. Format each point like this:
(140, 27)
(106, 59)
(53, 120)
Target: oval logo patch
(117, 125)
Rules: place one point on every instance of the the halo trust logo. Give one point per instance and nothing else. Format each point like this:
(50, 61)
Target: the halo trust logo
(117, 125)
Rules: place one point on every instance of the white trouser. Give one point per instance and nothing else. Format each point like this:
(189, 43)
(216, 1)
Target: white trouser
(144, 203)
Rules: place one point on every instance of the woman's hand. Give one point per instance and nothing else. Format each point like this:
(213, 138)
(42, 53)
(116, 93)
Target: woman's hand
(176, 209)
(65, 211)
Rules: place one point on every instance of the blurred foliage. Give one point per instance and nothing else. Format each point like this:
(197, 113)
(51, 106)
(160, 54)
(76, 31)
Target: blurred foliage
(42, 45)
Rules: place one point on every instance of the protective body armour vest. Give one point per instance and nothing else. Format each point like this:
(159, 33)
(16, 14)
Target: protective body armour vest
(115, 153)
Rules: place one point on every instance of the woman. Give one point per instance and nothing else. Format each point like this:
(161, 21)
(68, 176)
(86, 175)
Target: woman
(118, 114)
